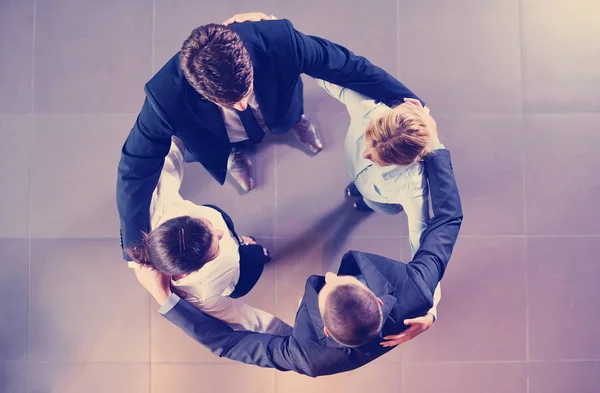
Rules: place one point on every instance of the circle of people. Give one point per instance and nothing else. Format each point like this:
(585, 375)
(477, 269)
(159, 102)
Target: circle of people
(227, 87)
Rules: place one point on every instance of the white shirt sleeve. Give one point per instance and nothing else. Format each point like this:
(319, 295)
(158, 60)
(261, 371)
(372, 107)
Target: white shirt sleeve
(437, 296)
(241, 316)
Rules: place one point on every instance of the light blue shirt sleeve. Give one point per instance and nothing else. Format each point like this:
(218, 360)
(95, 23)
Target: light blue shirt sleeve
(357, 104)
(169, 304)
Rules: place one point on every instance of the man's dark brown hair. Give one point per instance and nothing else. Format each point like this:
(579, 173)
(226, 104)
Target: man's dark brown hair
(217, 64)
(352, 315)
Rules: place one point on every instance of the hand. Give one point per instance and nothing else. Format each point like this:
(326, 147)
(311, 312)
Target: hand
(247, 17)
(247, 240)
(417, 326)
(154, 281)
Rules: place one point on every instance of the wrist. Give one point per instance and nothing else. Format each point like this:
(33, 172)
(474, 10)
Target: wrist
(163, 297)
(432, 317)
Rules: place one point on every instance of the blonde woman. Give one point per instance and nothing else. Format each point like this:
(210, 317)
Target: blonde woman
(384, 147)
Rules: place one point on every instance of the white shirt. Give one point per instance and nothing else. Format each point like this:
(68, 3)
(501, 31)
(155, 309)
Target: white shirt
(209, 287)
(233, 124)
(217, 277)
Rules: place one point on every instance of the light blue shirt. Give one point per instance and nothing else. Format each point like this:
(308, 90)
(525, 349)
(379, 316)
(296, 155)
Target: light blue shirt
(384, 184)
(383, 187)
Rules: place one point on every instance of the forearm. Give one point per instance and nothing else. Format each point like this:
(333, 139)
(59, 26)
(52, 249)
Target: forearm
(241, 316)
(142, 159)
(437, 242)
(334, 63)
(264, 350)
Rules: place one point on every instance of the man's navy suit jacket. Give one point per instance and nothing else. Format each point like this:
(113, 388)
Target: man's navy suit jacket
(279, 54)
(406, 290)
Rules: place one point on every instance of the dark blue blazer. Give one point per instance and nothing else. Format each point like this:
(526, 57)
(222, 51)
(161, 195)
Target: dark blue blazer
(279, 55)
(406, 290)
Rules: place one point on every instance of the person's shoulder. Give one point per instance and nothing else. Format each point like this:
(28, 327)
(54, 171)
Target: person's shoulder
(169, 75)
(166, 89)
(274, 28)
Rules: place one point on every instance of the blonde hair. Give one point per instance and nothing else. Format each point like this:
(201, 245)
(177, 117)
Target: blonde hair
(400, 137)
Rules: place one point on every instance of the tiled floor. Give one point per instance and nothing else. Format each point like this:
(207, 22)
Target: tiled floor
(515, 88)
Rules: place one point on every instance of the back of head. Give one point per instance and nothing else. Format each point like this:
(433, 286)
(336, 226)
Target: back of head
(400, 137)
(217, 64)
(180, 245)
(352, 315)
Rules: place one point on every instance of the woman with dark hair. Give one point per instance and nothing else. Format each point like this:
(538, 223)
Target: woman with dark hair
(209, 264)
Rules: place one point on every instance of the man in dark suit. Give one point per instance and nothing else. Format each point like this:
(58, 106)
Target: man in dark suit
(226, 87)
(342, 318)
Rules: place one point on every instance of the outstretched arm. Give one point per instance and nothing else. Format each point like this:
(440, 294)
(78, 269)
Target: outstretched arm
(437, 242)
(265, 350)
(326, 60)
(142, 159)
(240, 316)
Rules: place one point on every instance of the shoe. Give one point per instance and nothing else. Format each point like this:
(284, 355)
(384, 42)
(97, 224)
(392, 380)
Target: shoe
(361, 206)
(240, 168)
(352, 191)
(307, 135)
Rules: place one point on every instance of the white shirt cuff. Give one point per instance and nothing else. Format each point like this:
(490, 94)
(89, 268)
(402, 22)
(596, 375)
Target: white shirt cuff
(169, 304)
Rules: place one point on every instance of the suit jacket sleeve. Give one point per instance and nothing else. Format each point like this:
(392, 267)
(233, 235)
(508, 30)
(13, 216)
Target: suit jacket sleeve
(326, 60)
(142, 159)
(430, 261)
(265, 350)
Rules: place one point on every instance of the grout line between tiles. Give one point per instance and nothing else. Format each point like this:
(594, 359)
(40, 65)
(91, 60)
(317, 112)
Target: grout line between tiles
(31, 108)
(153, 40)
(152, 57)
(150, 343)
(32, 76)
(439, 112)
(232, 364)
(398, 38)
(524, 191)
(397, 237)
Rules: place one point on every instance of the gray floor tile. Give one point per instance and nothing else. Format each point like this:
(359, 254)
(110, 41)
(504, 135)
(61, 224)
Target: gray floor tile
(254, 212)
(74, 175)
(16, 38)
(15, 132)
(462, 56)
(310, 195)
(170, 344)
(231, 378)
(560, 59)
(478, 65)
(174, 21)
(13, 377)
(479, 319)
(561, 182)
(85, 304)
(464, 377)
(370, 377)
(14, 286)
(487, 155)
(89, 378)
(564, 377)
(562, 287)
(91, 57)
